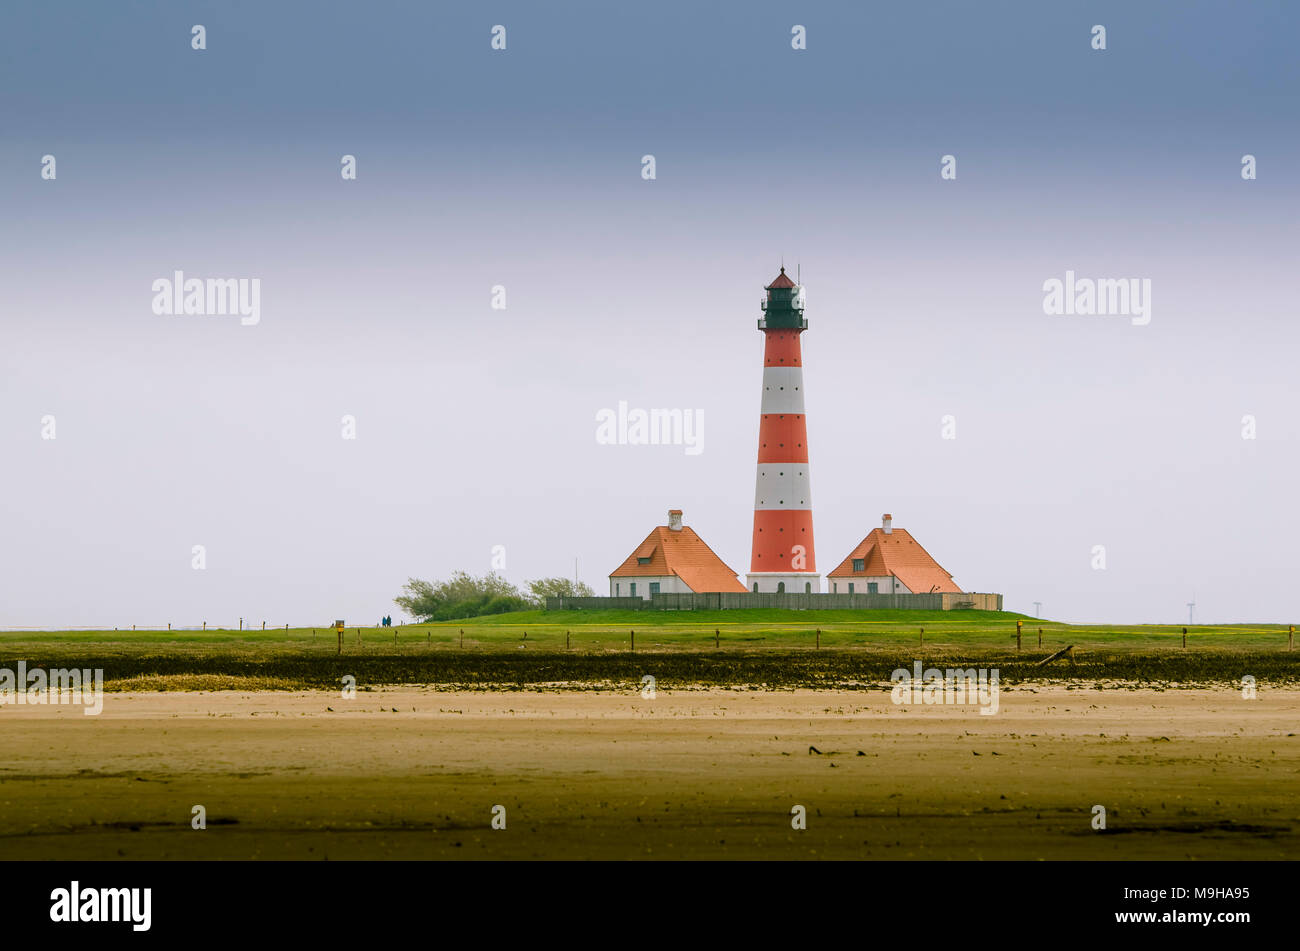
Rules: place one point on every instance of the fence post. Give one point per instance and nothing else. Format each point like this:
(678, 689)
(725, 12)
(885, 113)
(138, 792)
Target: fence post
(1290, 638)
(819, 638)
(717, 638)
(922, 637)
(1017, 641)
(1184, 638)
(566, 640)
(462, 637)
(1040, 637)
(633, 634)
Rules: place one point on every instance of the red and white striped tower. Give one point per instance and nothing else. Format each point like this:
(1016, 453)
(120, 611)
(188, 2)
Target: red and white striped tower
(783, 558)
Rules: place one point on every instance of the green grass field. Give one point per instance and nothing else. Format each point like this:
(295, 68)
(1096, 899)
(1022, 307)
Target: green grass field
(763, 647)
(679, 630)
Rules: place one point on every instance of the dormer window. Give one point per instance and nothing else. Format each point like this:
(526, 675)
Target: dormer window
(643, 561)
(859, 564)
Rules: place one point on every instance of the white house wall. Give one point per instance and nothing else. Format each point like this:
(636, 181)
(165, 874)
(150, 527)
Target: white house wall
(885, 585)
(668, 584)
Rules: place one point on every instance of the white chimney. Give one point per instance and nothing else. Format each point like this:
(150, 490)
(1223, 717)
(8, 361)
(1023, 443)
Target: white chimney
(675, 520)
(887, 523)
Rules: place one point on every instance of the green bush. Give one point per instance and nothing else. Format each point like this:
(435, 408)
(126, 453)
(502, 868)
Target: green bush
(461, 596)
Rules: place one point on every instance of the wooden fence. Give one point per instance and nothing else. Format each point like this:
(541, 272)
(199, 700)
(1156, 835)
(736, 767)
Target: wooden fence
(740, 600)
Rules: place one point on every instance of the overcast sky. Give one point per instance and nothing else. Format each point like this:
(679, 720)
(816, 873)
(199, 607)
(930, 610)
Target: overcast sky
(476, 427)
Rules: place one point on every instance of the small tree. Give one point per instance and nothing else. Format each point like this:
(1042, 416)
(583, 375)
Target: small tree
(544, 588)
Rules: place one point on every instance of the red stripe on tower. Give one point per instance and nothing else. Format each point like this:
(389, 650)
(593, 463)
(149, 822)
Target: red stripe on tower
(783, 556)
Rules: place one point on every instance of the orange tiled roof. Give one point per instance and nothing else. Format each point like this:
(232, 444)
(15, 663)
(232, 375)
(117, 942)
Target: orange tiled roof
(781, 281)
(900, 555)
(683, 554)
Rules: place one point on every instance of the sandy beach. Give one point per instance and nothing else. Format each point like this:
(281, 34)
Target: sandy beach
(413, 773)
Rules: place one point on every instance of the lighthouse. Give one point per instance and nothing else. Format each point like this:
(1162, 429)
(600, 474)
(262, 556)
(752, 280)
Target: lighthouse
(783, 559)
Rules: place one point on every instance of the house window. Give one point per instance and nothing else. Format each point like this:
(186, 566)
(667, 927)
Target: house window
(780, 587)
(807, 587)
(617, 586)
(850, 587)
(756, 587)
(835, 588)
(633, 587)
(858, 564)
(654, 587)
(873, 588)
